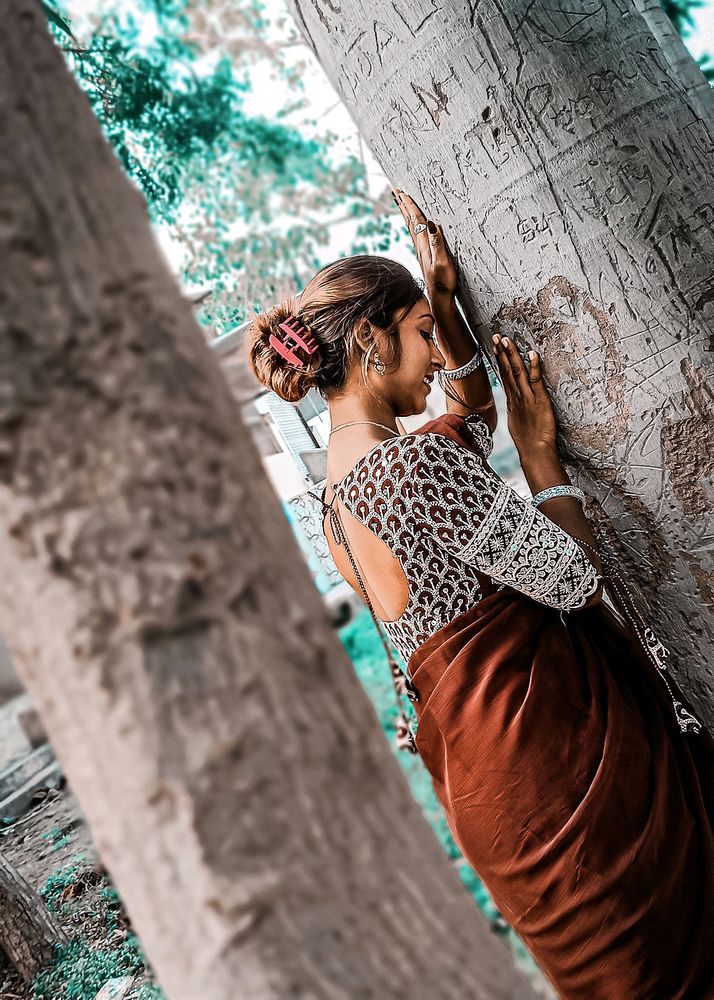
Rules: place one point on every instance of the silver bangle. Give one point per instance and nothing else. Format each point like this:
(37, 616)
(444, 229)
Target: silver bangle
(451, 374)
(557, 491)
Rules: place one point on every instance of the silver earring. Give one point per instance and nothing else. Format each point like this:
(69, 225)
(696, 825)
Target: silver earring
(379, 365)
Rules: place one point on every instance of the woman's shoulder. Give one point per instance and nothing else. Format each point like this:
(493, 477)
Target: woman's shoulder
(390, 458)
(453, 435)
(480, 432)
(411, 457)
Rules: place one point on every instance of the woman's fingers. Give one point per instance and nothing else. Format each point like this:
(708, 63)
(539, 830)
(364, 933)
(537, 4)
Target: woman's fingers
(535, 375)
(439, 250)
(516, 365)
(409, 209)
(414, 218)
(500, 345)
(436, 261)
(437, 246)
(444, 267)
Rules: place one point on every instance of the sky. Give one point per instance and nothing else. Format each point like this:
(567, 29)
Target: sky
(702, 39)
(329, 111)
(327, 107)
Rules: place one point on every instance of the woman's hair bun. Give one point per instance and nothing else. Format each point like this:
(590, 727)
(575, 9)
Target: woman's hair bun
(337, 301)
(271, 368)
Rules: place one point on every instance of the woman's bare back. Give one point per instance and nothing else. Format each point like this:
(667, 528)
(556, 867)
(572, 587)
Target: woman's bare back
(383, 576)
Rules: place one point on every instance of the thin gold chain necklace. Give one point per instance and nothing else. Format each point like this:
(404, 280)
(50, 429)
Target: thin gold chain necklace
(351, 423)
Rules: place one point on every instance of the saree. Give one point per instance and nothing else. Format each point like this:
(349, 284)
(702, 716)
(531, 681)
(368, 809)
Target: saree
(550, 736)
(567, 785)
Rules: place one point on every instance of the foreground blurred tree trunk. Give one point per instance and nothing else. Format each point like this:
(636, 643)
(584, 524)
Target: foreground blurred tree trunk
(28, 931)
(570, 159)
(230, 766)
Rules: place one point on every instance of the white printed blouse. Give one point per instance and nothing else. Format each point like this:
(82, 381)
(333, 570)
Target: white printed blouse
(445, 514)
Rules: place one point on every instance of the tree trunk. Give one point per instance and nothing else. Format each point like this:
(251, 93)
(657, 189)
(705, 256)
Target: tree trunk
(572, 173)
(28, 931)
(232, 771)
(682, 67)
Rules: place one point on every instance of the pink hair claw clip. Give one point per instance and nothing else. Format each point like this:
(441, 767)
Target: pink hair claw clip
(294, 331)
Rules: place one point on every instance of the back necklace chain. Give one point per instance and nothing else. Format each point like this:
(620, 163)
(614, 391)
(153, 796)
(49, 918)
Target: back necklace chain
(351, 423)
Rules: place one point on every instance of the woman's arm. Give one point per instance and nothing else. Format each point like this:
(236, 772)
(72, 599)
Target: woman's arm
(473, 393)
(531, 423)
(544, 469)
(474, 515)
(458, 346)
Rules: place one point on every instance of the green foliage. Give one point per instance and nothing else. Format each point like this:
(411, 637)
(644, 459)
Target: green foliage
(362, 645)
(57, 883)
(57, 838)
(224, 181)
(160, 116)
(706, 64)
(55, 19)
(681, 13)
(81, 967)
(80, 970)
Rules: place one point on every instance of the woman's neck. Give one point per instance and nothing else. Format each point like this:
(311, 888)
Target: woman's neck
(362, 407)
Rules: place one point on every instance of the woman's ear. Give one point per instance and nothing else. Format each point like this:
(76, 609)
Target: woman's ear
(364, 335)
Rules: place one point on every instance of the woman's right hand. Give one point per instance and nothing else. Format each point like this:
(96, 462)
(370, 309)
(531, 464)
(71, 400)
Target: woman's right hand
(531, 417)
(435, 259)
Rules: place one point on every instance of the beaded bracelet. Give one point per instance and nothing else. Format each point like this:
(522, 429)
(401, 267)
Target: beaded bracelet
(451, 374)
(557, 491)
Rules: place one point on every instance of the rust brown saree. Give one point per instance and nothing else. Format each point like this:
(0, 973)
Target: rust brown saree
(589, 816)
(551, 738)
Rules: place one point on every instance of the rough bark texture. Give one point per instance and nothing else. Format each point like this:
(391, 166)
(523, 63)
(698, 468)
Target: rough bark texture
(232, 771)
(680, 63)
(28, 931)
(570, 159)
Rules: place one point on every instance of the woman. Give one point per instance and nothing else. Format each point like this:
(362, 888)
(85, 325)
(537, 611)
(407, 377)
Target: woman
(572, 776)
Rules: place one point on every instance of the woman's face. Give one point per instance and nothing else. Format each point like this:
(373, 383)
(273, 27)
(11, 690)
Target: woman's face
(410, 383)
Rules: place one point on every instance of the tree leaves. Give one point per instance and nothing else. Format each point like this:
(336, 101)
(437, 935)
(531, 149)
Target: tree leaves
(54, 18)
(252, 199)
(680, 13)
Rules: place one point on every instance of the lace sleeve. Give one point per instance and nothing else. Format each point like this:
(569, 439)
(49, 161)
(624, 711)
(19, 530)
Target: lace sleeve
(477, 517)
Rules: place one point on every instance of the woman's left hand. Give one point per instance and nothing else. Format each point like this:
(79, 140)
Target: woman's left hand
(531, 417)
(435, 260)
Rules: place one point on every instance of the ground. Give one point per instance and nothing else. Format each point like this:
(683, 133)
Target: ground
(52, 848)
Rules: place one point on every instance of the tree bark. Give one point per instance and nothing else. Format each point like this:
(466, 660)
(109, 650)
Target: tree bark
(232, 771)
(682, 66)
(28, 931)
(571, 169)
